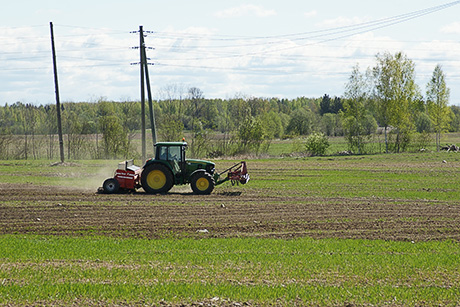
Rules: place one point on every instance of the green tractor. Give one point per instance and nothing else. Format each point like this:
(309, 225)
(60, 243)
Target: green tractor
(169, 168)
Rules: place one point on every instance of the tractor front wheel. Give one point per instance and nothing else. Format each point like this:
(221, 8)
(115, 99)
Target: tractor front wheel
(202, 183)
(156, 178)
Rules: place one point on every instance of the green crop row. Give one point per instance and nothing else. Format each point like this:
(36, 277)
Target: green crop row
(262, 271)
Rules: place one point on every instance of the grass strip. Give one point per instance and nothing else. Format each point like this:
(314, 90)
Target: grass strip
(263, 271)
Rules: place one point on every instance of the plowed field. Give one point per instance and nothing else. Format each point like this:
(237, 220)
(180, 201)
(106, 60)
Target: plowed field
(48, 210)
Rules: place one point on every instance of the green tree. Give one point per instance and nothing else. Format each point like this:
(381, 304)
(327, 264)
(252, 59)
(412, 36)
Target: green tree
(115, 137)
(337, 105)
(251, 134)
(130, 115)
(72, 126)
(395, 91)
(273, 125)
(438, 94)
(325, 105)
(301, 122)
(354, 114)
(6, 137)
(51, 128)
(28, 120)
(455, 123)
(331, 124)
(170, 128)
(258, 106)
(423, 123)
(199, 134)
(239, 110)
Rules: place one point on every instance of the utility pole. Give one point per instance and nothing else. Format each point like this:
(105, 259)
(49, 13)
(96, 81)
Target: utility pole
(58, 102)
(149, 94)
(145, 79)
(142, 53)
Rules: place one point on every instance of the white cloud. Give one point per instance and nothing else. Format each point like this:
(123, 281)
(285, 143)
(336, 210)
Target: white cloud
(245, 10)
(453, 28)
(48, 12)
(94, 63)
(310, 14)
(342, 22)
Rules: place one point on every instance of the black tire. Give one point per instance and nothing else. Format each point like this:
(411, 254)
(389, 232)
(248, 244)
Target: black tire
(111, 186)
(202, 183)
(156, 178)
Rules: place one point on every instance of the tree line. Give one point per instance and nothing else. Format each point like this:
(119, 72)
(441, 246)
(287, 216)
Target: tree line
(383, 100)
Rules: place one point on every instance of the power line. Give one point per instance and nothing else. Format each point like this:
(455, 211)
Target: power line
(315, 34)
(94, 28)
(332, 34)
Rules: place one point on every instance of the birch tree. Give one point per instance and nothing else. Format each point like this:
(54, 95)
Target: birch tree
(354, 111)
(395, 91)
(438, 94)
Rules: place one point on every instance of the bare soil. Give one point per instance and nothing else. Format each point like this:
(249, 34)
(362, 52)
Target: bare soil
(45, 210)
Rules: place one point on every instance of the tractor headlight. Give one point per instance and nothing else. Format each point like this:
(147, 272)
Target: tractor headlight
(210, 169)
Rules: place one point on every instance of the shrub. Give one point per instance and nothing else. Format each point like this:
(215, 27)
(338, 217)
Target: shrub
(317, 144)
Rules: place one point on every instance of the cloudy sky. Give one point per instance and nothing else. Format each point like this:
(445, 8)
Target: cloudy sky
(230, 48)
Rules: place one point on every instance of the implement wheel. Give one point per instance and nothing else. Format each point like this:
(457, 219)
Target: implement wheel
(156, 178)
(202, 183)
(111, 186)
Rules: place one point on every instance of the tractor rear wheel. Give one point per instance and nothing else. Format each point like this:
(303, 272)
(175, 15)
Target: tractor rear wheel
(156, 178)
(111, 186)
(202, 183)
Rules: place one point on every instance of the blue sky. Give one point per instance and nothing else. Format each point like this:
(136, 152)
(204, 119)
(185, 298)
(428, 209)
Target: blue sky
(230, 48)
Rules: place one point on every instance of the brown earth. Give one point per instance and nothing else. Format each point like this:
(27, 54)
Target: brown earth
(225, 213)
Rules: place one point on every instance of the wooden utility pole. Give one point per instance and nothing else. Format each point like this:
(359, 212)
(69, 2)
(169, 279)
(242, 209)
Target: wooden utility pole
(141, 46)
(145, 79)
(58, 103)
(149, 94)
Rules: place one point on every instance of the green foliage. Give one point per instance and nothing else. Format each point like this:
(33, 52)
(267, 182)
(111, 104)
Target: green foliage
(273, 125)
(422, 140)
(301, 122)
(325, 105)
(386, 94)
(73, 128)
(455, 123)
(131, 114)
(114, 135)
(423, 123)
(437, 103)
(328, 105)
(395, 93)
(316, 144)
(200, 144)
(358, 124)
(170, 129)
(251, 134)
(332, 124)
(369, 124)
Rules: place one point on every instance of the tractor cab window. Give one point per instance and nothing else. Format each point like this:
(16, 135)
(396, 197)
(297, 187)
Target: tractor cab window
(163, 153)
(174, 153)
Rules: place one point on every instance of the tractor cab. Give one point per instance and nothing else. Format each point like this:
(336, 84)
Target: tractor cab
(173, 154)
